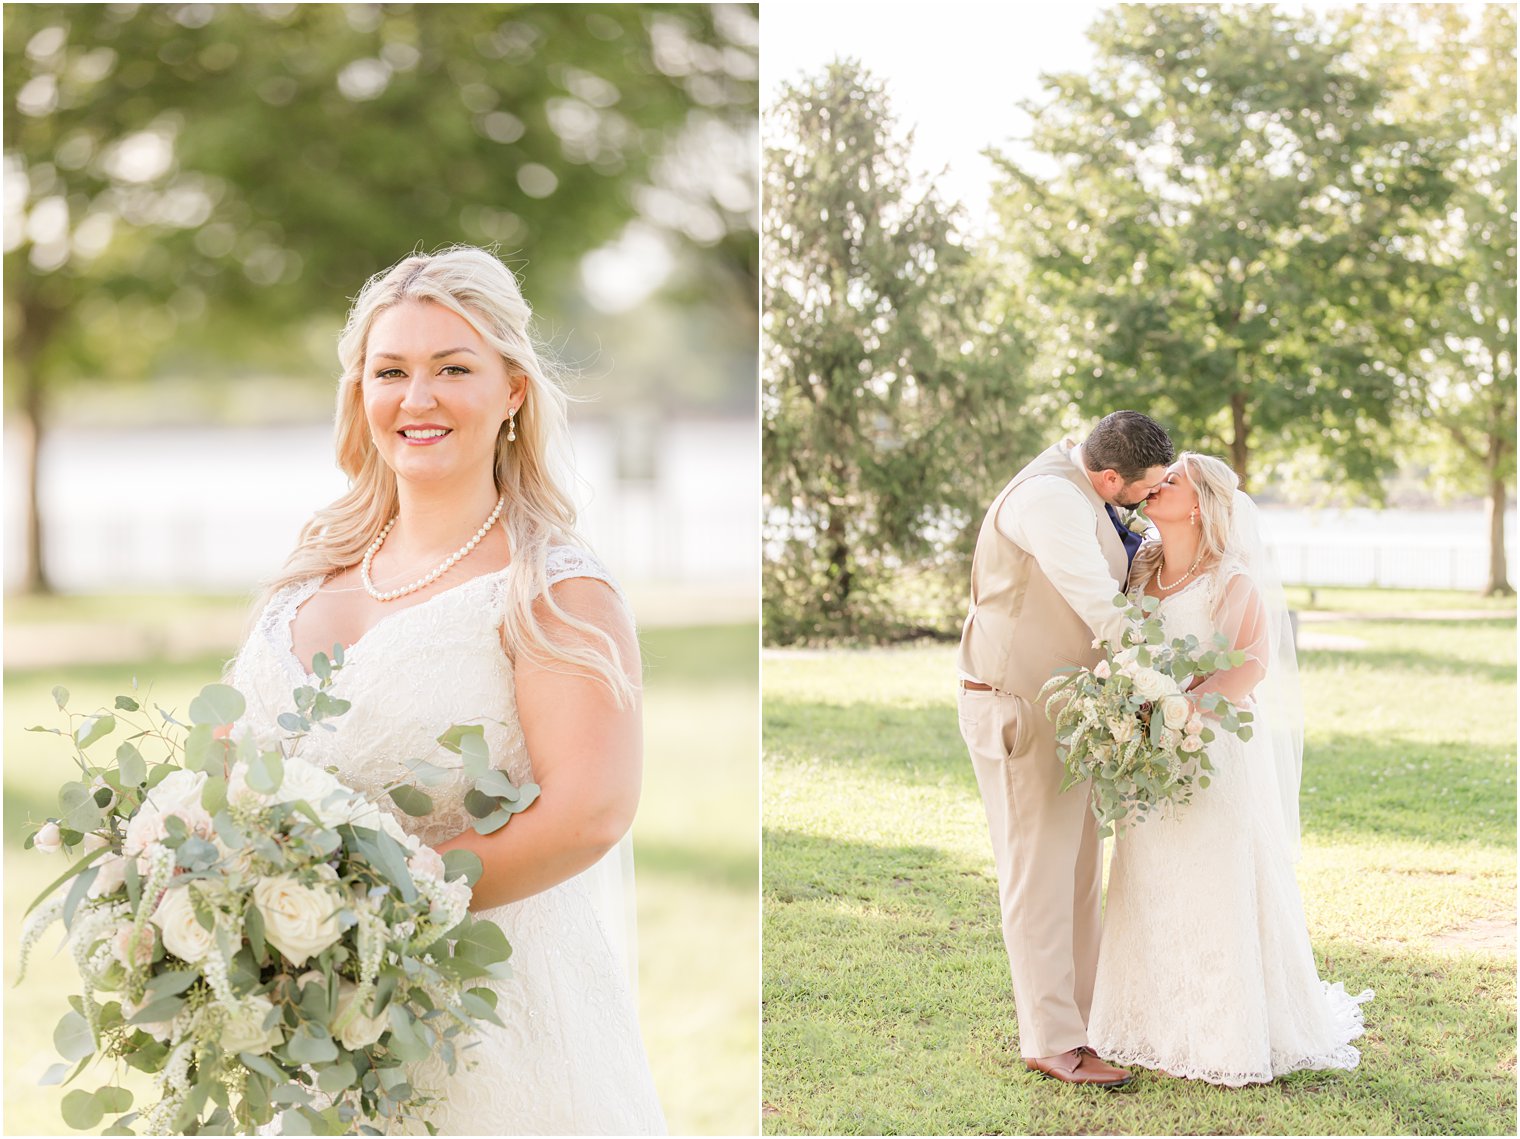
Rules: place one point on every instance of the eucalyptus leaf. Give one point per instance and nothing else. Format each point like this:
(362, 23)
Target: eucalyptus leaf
(263, 1066)
(480, 804)
(171, 983)
(94, 728)
(113, 1099)
(476, 755)
(414, 802)
(164, 1008)
(60, 696)
(495, 782)
(292, 723)
(429, 774)
(406, 1039)
(81, 1110)
(465, 862)
(218, 704)
(131, 765)
(494, 821)
(311, 1044)
(321, 666)
(333, 1080)
(72, 1037)
(455, 734)
(266, 772)
(202, 749)
(77, 894)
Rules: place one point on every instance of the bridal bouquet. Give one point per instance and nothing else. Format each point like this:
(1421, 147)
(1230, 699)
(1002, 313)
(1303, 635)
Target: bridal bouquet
(1125, 725)
(259, 936)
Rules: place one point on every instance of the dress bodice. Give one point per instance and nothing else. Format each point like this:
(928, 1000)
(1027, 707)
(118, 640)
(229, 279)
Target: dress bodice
(411, 675)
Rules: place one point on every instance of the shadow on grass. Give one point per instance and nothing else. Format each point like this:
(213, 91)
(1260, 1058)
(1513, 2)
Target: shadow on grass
(1353, 785)
(887, 1002)
(887, 1011)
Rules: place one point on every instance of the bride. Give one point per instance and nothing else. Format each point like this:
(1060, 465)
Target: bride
(451, 574)
(1205, 969)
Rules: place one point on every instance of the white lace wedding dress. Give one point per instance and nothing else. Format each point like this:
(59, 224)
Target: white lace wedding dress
(1205, 969)
(570, 1059)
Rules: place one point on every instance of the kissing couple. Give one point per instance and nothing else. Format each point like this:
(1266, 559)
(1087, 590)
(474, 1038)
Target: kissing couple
(1201, 966)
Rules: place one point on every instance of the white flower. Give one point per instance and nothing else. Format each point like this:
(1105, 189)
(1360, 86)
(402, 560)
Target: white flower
(178, 789)
(112, 876)
(361, 1030)
(300, 921)
(95, 841)
(1174, 711)
(1122, 729)
(180, 795)
(1100, 670)
(1191, 743)
(245, 1031)
(322, 790)
(390, 826)
(184, 936)
(121, 942)
(1151, 685)
(48, 839)
(426, 863)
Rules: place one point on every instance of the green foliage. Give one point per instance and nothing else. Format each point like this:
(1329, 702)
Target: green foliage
(886, 372)
(1234, 240)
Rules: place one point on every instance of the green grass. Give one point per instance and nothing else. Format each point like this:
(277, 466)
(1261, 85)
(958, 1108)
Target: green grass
(1367, 600)
(887, 1000)
(694, 841)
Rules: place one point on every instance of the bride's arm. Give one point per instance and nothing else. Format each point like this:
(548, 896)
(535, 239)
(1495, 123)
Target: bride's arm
(1242, 618)
(587, 759)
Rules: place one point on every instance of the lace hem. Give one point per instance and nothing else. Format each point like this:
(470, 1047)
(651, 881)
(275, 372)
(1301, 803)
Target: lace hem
(1345, 1012)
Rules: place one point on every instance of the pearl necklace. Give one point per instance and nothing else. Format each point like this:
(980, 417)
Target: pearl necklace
(423, 582)
(1180, 580)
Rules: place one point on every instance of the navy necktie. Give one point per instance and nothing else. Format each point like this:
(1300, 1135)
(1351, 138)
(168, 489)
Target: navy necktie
(1130, 539)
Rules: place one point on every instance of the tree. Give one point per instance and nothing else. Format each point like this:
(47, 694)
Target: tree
(185, 170)
(1459, 75)
(1235, 238)
(886, 390)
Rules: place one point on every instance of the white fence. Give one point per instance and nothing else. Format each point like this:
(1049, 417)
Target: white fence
(219, 508)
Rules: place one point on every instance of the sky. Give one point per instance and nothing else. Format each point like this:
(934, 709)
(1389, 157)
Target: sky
(955, 71)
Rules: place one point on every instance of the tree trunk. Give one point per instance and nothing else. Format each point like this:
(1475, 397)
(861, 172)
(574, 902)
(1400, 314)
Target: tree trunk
(1239, 451)
(1497, 584)
(29, 346)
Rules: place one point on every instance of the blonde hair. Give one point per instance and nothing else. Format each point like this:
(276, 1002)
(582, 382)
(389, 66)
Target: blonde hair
(474, 285)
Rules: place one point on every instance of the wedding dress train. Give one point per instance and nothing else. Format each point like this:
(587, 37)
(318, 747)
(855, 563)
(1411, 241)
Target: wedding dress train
(1205, 969)
(569, 1059)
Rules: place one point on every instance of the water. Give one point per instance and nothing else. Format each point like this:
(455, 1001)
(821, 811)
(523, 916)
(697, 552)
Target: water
(218, 509)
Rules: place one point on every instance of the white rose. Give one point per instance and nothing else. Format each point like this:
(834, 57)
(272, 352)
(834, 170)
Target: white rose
(245, 1031)
(48, 839)
(1100, 670)
(179, 789)
(179, 794)
(1174, 711)
(121, 943)
(1152, 685)
(1122, 729)
(1191, 744)
(95, 841)
(361, 1031)
(426, 863)
(112, 876)
(326, 795)
(184, 936)
(300, 921)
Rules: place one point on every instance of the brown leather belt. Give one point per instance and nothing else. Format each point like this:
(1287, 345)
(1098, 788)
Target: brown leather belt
(976, 686)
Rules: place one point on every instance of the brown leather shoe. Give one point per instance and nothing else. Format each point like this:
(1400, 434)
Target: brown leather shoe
(1079, 1065)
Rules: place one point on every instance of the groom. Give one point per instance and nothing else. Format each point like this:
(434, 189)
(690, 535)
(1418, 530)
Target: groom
(1050, 556)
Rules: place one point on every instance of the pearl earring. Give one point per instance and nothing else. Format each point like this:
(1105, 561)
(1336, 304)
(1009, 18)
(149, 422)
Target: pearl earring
(1193, 518)
(512, 425)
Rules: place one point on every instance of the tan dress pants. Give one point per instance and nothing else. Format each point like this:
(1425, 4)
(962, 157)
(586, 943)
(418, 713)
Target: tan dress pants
(1049, 868)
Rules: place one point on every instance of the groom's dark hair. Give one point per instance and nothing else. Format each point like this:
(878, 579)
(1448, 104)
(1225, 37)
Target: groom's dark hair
(1129, 443)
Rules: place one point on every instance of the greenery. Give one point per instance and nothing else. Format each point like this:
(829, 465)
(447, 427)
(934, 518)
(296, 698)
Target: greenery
(196, 187)
(695, 846)
(879, 337)
(886, 993)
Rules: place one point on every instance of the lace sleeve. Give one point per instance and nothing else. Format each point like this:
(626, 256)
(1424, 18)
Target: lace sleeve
(1242, 617)
(565, 562)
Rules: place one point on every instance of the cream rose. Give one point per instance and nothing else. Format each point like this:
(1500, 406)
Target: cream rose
(1122, 729)
(1101, 670)
(245, 1031)
(1191, 744)
(48, 839)
(95, 841)
(1152, 685)
(361, 1030)
(327, 796)
(112, 876)
(1174, 711)
(184, 936)
(300, 921)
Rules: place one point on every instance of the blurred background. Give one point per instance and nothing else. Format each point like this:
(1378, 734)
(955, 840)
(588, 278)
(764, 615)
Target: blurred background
(1286, 231)
(192, 194)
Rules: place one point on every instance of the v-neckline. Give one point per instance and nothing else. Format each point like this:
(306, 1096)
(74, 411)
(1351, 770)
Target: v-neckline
(309, 590)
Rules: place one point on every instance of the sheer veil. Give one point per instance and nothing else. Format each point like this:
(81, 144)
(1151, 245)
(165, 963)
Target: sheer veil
(1277, 747)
